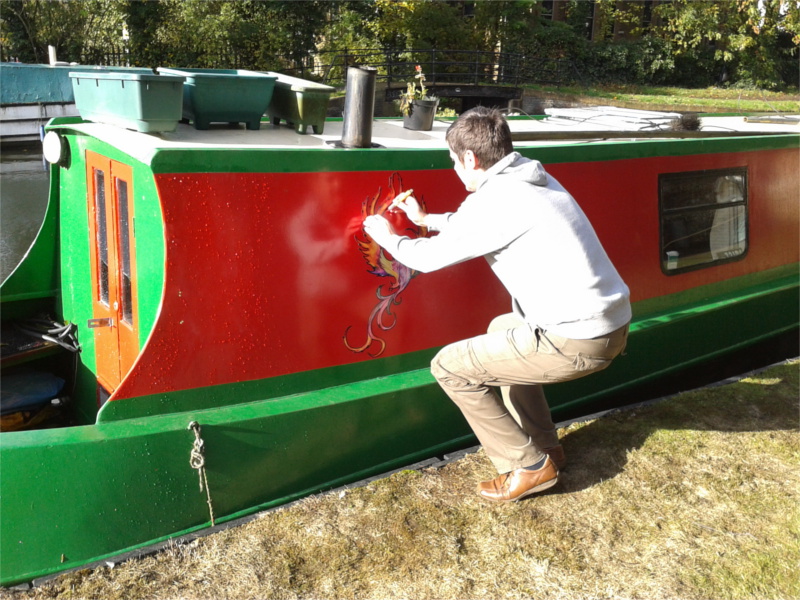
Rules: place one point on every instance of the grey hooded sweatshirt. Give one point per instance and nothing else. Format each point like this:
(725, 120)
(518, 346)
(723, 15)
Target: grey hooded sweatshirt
(538, 242)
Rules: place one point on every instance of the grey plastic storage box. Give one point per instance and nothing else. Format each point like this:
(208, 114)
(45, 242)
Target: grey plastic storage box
(300, 103)
(224, 95)
(140, 101)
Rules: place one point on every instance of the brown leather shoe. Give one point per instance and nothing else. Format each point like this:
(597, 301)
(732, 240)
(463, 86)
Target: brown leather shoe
(556, 454)
(519, 483)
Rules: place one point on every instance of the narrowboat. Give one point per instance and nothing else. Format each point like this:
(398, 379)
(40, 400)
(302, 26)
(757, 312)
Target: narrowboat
(219, 336)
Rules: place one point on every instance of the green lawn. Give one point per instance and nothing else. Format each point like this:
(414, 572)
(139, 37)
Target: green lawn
(711, 99)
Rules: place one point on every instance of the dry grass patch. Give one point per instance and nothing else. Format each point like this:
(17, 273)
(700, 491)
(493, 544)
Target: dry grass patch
(695, 497)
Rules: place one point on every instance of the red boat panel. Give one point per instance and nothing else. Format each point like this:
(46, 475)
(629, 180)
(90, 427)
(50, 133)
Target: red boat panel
(623, 209)
(267, 269)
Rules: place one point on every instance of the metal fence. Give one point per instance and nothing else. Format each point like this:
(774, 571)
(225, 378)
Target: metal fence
(395, 67)
(468, 67)
(111, 56)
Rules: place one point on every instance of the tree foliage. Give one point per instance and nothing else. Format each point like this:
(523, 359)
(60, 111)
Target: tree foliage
(72, 28)
(756, 39)
(220, 33)
(746, 42)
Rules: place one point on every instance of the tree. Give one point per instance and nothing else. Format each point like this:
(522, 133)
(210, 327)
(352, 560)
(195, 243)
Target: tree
(288, 28)
(756, 39)
(144, 20)
(421, 25)
(753, 41)
(348, 26)
(242, 34)
(504, 23)
(73, 28)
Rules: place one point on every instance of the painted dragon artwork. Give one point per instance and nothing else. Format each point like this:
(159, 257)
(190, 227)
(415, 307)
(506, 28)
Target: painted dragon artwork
(382, 264)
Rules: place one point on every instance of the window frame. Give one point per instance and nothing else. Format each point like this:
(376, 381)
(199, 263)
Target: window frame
(664, 213)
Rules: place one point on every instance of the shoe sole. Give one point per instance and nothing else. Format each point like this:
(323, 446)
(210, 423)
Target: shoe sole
(539, 488)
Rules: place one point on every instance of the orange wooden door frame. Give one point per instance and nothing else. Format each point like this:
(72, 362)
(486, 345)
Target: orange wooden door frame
(113, 267)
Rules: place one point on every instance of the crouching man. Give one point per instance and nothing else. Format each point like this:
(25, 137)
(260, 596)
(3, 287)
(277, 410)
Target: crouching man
(571, 309)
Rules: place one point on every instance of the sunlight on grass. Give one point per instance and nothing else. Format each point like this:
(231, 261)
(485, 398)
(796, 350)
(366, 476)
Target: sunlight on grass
(694, 497)
(666, 98)
(761, 381)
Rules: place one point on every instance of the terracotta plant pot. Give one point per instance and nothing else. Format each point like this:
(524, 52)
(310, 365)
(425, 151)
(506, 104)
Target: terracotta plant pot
(422, 114)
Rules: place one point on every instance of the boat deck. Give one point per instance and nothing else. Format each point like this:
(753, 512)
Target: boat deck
(390, 133)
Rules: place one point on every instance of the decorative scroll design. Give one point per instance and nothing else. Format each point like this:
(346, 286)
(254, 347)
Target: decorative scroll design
(382, 264)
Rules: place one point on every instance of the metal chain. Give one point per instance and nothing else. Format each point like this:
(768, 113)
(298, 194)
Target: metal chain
(197, 460)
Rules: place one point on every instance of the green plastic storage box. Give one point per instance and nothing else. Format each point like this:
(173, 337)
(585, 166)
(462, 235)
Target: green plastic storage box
(224, 95)
(300, 103)
(140, 101)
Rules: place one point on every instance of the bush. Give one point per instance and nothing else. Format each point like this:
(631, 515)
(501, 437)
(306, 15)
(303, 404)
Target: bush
(698, 69)
(648, 61)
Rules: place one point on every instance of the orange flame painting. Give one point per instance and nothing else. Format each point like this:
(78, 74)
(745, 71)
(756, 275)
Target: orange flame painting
(382, 264)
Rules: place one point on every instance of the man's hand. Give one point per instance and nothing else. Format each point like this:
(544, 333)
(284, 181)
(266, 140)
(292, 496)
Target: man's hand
(378, 228)
(410, 206)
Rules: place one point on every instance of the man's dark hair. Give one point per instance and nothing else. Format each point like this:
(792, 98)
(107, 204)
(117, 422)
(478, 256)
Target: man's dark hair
(485, 132)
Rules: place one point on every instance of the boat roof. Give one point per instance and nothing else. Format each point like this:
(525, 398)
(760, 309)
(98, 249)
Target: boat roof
(557, 126)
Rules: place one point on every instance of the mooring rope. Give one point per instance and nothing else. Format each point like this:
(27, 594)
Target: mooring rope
(197, 460)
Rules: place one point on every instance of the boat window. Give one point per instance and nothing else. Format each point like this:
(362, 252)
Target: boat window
(101, 230)
(703, 218)
(126, 296)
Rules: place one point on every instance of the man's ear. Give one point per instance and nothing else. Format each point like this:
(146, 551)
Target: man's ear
(470, 161)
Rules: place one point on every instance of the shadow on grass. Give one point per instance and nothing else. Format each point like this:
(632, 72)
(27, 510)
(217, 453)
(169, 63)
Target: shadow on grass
(599, 450)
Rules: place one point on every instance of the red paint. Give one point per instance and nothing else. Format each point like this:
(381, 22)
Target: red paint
(621, 200)
(264, 275)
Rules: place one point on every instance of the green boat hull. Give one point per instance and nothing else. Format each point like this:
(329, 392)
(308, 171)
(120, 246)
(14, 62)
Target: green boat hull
(78, 495)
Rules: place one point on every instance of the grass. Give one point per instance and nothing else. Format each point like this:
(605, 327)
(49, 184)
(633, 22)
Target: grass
(694, 497)
(712, 99)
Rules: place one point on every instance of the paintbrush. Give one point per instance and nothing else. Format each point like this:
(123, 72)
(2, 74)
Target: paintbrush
(400, 198)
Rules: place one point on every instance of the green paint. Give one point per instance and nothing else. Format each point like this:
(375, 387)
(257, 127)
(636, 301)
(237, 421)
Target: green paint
(310, 160)
(76, 284)
(727, 291)
(692, 332)
(116, 486)
(301, 160)
(606, 151)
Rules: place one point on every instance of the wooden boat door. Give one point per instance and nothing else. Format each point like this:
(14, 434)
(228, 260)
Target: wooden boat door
(111, 231)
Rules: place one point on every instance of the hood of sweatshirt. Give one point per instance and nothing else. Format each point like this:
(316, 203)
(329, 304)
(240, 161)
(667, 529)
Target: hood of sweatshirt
(517, 166)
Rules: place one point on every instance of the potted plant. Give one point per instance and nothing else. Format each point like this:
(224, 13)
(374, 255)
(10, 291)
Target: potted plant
(417, 106)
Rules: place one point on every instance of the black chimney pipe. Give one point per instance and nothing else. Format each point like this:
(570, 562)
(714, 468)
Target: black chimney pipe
(359, 107)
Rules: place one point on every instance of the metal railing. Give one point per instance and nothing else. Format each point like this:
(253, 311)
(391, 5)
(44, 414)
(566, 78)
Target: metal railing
(395, 67)
(466, 67)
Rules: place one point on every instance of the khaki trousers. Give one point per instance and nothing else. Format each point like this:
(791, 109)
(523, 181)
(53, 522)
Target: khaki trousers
(518, 358)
